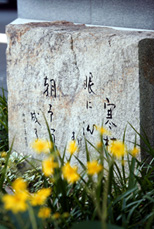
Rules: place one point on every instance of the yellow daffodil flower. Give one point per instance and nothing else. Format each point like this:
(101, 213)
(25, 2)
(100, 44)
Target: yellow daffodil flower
(99, 144)
(16, 203)
(44, 212)
(48, 166)
(65, 214)
(40, 196)
(72, 147)
(3, 154)
(102, 130)
(56, 215)
(135, 152)
(19, 185)
(93, 167)
(42, 146)
(70, 173)
(117, 149)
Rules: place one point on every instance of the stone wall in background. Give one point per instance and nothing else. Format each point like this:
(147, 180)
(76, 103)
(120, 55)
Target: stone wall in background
(6, 17)
(78, 77)
(2, 67)
(120, 13)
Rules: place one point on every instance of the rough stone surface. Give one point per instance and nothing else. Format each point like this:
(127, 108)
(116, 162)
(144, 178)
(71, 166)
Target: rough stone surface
(78, 77)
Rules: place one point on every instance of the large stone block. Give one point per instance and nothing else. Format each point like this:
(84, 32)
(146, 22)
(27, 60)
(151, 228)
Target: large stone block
(78, 77)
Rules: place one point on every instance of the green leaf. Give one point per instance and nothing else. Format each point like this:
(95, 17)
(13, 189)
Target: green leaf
(5, 167)
(133, 209)
(87, 151)
(81, 163)
(131, 182)
(124, 135)
(145, 140)
(49, 132)
(93, 225)
(124, 195)
(2, 227)
(92, 145)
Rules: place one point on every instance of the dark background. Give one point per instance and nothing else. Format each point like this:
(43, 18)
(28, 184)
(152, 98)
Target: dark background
(8, 13)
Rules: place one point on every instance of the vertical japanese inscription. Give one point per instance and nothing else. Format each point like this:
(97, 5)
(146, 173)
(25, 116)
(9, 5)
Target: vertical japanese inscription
(50, 87)
(25, 132)
(109, 107)
(88, 83)
(50, 91)
(50, 112)
(35, 119)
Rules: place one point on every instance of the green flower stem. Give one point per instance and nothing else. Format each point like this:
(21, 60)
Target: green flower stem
(105, 195)
(96, 203)
(102, 152)
(123, 171)
(70, 158)
(94, 197)
(6, 224)
(104, 204)
(19, 219)
(32, 217)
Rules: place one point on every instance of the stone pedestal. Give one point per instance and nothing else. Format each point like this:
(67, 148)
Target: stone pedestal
(78, 77)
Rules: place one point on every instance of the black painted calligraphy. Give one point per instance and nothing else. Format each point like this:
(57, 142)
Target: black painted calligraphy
(88, 104)
(47, 86)
(73, 136)
(109, 115)
(79, 140)
(53, 135)
(91, 129)
(106, 139)
(25, 132)
(53, 88)
(50, 112)
(35, 129)
(34, 117)
(88, 83)
(50, 87)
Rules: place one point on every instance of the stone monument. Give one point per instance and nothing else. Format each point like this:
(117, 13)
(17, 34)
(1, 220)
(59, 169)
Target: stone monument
(79, 77)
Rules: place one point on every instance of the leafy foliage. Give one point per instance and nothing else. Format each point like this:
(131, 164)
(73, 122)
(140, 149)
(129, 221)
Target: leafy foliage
(120, 195)
(3, 122)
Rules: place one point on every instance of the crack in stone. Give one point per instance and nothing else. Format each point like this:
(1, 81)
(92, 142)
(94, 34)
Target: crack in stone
(75, 60)
(110, 38)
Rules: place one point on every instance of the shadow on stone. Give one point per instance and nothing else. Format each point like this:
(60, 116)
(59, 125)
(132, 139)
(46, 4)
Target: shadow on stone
(146, 72)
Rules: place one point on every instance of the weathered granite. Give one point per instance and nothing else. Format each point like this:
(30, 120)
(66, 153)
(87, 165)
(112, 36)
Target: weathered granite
(78, 76)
